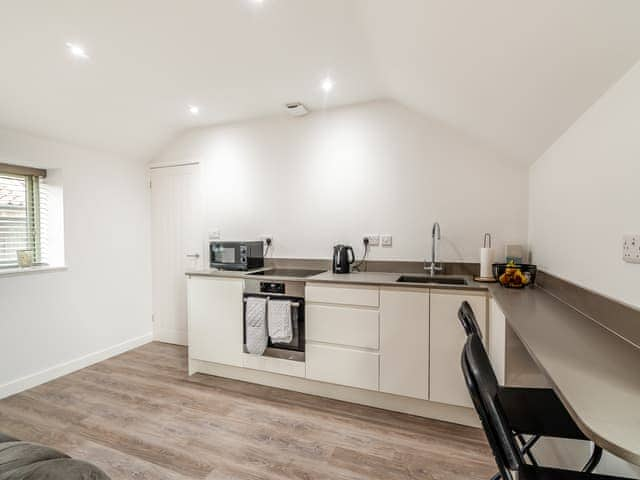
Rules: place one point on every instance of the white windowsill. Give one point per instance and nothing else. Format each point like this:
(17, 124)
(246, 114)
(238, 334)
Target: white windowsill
(10, 272)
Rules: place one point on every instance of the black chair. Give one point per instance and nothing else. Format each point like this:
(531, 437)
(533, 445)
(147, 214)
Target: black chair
(481, 382)
(537, 412)
(468, 319)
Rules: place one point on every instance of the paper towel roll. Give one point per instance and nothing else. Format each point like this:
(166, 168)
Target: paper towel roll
(486, 263)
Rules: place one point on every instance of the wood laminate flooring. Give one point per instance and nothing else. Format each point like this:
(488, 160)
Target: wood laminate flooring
(140, 416)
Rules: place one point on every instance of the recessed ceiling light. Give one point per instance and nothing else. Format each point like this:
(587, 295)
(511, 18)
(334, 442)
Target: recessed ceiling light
(194, 109)
(327, 84)
(76, 50)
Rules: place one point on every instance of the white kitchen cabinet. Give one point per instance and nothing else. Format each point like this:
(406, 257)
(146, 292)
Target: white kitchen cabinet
(215, 319)
(343, 335)
(404, 342)
(446, 383)
(342, 366)
(349, 326)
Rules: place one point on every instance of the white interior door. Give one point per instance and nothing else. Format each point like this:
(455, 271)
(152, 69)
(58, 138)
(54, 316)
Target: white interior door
(177, 246)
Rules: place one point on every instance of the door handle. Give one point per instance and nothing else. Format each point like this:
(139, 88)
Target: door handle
(194, 255)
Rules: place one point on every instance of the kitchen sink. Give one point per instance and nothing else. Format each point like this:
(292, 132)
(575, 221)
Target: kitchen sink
(432, 280)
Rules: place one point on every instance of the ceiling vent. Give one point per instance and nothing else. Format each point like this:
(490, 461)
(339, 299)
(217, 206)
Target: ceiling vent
(296, 109)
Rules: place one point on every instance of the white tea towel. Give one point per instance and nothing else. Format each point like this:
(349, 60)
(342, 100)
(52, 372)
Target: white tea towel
(256, 325)
(279, 320)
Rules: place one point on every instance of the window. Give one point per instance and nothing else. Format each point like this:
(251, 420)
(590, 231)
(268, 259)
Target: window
(23, 208)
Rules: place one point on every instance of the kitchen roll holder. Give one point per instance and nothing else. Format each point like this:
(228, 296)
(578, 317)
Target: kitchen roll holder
(486, 261)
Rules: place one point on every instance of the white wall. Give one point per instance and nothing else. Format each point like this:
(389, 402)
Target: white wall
(584, 193)
(584, 196)
(337, 175)
(53, 322)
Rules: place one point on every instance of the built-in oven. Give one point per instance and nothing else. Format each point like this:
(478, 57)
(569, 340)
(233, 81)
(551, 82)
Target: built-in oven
(280, 290)
(236, 255)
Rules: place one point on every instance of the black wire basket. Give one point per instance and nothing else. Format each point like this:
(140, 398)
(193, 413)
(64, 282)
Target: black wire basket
(515, 275)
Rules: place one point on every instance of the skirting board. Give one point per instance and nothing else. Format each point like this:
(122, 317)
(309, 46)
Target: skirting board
(44, 376)
(165, 335)
(421, 408)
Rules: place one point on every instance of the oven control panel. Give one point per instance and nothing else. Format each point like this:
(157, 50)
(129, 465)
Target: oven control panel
(272, 287)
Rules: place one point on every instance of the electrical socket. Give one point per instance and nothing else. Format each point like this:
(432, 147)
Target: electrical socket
(213, 234)
(631, 248)
(374, 239)
(386, 240)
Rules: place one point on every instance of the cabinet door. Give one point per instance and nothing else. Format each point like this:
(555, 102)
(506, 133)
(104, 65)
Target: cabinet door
(215, 319)
(404, 342)
(446, 383)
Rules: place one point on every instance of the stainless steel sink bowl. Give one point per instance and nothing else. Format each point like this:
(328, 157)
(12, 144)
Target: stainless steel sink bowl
(432, 280)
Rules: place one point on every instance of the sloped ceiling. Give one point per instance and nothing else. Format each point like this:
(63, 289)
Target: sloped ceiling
(514, 73)
(511, 73)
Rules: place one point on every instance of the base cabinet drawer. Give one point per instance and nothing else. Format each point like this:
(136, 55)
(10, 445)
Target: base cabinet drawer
(356, 327)
(342, 295)
(342, 366)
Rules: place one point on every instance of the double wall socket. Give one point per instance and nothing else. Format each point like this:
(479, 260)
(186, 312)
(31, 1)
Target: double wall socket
(631, 248)
(376, 240)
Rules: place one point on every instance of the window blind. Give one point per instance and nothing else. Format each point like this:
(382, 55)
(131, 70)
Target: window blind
(23, 202)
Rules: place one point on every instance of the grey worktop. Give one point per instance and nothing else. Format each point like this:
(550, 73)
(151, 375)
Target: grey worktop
(593, 370)
(359, 278)
(214, 272)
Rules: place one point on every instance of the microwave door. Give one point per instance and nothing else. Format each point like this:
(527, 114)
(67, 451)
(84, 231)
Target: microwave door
(224, 255)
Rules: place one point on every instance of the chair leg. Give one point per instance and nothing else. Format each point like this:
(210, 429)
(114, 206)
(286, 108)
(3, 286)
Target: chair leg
(594, 460)
(497, 476)
(526, 447)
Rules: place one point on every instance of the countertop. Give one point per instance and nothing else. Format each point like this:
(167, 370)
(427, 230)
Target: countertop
(593, 370)
(359, 278)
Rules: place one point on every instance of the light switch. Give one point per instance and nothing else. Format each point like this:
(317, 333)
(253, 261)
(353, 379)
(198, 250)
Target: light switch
(387, 240)
(631, 248)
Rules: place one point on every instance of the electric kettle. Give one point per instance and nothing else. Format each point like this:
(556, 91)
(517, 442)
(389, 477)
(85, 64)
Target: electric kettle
(343, 257)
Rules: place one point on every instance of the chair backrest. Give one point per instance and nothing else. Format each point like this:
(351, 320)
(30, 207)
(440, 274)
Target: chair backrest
(483, 388)
(468, 320)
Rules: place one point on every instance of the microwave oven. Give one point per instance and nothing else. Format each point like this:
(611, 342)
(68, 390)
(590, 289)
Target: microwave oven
(236, 255)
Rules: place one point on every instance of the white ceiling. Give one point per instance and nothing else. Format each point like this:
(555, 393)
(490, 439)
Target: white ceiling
(512, 73)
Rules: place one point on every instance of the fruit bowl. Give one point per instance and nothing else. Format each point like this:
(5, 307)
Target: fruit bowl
(515, 275)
